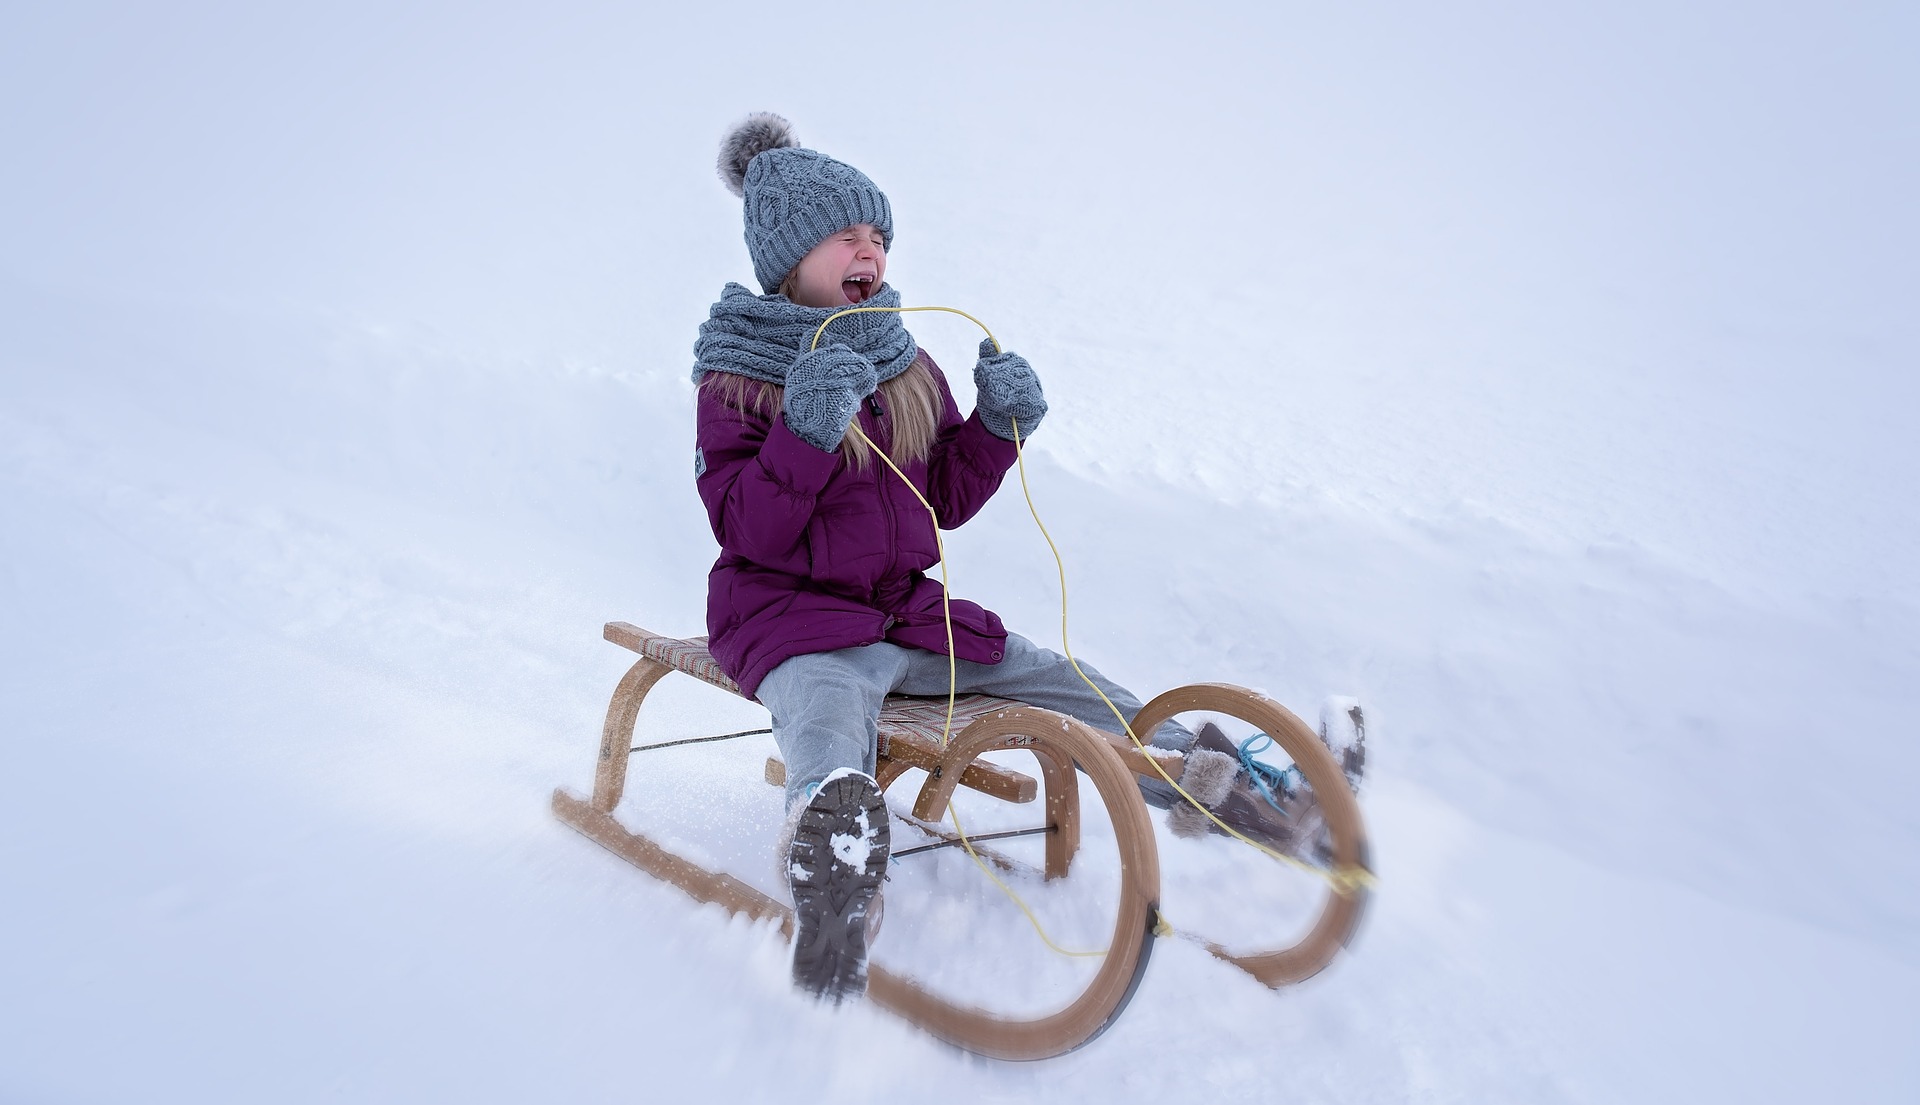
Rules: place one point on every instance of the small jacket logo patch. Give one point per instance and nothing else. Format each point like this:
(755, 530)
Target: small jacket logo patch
(699, 462)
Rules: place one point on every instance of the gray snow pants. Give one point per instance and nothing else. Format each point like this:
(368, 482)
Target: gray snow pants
(826, 705)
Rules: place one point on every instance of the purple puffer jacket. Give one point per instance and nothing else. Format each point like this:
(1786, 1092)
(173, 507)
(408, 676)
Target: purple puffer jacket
(816, 556)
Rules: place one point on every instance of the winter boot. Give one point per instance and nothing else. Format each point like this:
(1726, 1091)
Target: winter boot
(1285, 816)
(835, 865)
(1343, 729)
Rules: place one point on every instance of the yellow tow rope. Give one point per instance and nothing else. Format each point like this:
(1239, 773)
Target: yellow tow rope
(1344, 880)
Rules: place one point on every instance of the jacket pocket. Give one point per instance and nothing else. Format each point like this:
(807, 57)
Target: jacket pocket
(847, 550)
(917, 545)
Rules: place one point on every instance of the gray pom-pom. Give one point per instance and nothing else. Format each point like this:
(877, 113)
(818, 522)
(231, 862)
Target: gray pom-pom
(756, 134)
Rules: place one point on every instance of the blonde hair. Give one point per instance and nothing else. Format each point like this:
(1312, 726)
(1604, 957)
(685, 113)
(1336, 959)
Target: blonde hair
(912, 399)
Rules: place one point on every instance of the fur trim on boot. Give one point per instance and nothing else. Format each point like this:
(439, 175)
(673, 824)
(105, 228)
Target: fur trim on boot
(1208, 777)
(783, 844)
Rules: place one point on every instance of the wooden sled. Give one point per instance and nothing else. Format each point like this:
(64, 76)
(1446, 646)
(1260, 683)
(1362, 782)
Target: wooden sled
(909, 738)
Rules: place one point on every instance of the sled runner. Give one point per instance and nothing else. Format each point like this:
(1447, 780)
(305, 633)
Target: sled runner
(910, 731)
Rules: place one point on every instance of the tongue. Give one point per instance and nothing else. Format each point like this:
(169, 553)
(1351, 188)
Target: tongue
(856, 292)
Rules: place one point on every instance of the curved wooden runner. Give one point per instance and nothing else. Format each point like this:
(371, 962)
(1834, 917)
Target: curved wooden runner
(1346, 903)
(1060, 743)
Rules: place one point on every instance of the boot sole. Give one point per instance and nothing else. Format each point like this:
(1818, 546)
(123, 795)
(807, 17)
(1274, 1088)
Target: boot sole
(835, 866)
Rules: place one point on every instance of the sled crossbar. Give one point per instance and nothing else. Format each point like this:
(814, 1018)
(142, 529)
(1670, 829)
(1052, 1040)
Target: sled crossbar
(976, 838)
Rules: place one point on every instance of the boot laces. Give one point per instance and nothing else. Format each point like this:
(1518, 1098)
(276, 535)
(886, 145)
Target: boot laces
(1266, 778)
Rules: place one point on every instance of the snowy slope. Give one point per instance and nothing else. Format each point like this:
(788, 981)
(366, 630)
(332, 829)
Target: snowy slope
(1540, 381)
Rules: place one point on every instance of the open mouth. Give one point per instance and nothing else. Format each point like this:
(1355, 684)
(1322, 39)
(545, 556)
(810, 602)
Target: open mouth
(859, 288)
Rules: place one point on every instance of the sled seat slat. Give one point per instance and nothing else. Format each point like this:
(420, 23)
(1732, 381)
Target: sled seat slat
(910, 728)
(689, 655)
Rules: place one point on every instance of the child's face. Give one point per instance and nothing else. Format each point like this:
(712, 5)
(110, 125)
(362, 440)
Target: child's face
(843, 271)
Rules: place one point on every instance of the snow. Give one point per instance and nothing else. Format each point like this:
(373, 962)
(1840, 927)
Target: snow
(1539, 378)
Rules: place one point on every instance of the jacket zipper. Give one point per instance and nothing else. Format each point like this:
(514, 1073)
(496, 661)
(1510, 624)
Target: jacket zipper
(886, 499)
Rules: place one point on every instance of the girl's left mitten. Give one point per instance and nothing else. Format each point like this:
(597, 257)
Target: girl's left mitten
(1008, 392)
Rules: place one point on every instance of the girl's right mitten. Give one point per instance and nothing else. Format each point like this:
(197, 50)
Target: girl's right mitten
(824, 389)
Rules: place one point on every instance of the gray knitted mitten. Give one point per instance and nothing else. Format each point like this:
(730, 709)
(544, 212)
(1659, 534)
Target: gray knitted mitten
(824, 389)
(1008, 390)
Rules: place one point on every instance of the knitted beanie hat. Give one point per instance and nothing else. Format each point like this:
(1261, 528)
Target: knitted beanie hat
(795, 197)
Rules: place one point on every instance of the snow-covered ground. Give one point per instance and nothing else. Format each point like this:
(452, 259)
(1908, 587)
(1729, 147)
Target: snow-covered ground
(1542, 378)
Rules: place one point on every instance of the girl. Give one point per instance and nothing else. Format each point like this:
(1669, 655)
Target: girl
(819, 605)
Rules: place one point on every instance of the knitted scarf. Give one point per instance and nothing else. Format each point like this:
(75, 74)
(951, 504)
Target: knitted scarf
(760, 336)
